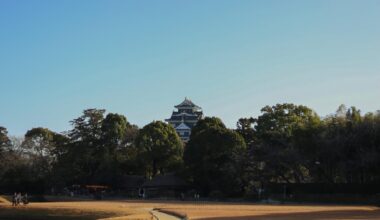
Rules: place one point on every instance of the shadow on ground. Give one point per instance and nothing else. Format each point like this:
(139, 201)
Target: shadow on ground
(22, 213)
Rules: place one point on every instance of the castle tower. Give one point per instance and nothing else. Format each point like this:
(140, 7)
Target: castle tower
(185, 118)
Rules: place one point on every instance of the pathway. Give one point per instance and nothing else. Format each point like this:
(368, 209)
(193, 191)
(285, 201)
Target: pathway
(164, 216)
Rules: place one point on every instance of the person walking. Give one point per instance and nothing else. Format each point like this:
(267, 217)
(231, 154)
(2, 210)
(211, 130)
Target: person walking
(14, 199)
(18, 198)
(25, 199)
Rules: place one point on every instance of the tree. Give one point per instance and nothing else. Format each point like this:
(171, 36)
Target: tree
(114, 130)
(41, 142)
(214, 157)
(206, 123)
(87, 128)
(115, 155)
(245, 127)
(281, 131)
(78, 162)
(42, 148)
(349, 147)
(159, 148)
(101, 149)
(5, 142)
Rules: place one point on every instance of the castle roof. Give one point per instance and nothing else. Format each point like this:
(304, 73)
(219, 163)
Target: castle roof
(182, 126)
(187, 103)
(183, 114)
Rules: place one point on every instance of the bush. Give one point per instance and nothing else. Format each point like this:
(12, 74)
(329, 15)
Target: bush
(216, 194)
(37, 198)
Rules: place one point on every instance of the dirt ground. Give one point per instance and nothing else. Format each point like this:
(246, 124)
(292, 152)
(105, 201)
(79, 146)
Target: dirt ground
(277, 212)
(90, 210)
(133, 209)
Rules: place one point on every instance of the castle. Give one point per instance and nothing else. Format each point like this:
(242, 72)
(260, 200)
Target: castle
(185, 118)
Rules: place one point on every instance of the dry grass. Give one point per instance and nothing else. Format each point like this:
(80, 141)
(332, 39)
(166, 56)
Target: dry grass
(3, 200)
(139, 210)
(284, 212)
(75, 210)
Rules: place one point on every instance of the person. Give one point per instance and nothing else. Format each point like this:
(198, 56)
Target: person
(18, 198)
(259, 192)
(25, 199)
(142, 193)
(14, 199)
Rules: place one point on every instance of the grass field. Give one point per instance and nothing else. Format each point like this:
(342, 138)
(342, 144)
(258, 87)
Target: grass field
(283, 212)
(206, 211)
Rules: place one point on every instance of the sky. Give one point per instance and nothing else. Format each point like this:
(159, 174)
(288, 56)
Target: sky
(140, 58)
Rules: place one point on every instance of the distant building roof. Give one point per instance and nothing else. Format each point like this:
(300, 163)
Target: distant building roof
(183, 114)
(187, 103)
(183, 126)
(183, 118)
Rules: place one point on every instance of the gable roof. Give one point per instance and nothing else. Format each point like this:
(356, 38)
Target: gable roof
(187, 103)
(183, 126)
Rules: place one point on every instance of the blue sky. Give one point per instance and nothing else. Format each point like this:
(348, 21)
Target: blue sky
(140, 58)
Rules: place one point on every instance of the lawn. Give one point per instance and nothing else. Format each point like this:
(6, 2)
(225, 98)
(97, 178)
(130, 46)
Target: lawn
(134, 210)
(21, 213)
(79, 210)
(278, 212)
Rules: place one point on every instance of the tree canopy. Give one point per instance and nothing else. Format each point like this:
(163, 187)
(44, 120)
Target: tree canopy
(159, 147)
(285, 144)
(4, 139)
(213, 157)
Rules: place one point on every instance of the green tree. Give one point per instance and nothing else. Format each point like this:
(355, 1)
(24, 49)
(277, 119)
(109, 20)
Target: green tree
(41, 147)
(79, 162)
(159, 148)
(214, 156)
(5, 142)
(245, 127)
(42, 142)
(88, 127)
(206, 123)
(101, 149)
(114, 130)
(349, 147)
(281, 132)
(115, 154)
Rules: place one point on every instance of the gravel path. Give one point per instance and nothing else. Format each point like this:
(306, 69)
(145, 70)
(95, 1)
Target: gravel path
(164, 216)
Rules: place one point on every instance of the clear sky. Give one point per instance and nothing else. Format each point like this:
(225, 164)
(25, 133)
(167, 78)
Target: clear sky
(140, 58)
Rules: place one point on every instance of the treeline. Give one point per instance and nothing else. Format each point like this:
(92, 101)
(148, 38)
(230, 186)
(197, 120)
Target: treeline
(287, 143)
